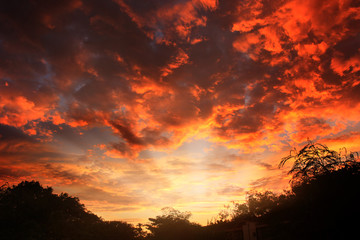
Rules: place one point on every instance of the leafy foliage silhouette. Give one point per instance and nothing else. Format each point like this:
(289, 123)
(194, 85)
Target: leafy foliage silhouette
(29, 211)
(175, 225)
(315, 159)
(323, 202)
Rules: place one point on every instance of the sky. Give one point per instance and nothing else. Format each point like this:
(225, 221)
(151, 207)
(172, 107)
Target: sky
(133, 106)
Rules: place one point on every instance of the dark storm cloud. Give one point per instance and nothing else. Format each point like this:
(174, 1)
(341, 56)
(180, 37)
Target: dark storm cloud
(11, 173)
(127, 134)
(154, 71)
(9, 133)
(14, 143)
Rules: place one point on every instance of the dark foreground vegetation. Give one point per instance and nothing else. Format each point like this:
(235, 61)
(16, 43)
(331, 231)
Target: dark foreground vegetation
(29, 211)
(323, 203)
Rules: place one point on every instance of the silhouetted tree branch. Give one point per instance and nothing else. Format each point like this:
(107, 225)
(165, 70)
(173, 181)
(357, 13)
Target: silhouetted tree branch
(315, 159)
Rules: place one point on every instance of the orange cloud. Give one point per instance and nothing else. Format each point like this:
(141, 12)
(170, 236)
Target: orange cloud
(134, 98)
(181, 59)
(18, 111)
(244, 43)
(340, 64)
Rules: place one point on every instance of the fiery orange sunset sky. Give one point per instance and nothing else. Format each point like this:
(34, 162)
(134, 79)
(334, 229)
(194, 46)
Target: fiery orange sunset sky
(133, 106)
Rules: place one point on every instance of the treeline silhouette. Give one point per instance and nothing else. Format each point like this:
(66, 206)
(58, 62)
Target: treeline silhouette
(30, 211)
(322, 203)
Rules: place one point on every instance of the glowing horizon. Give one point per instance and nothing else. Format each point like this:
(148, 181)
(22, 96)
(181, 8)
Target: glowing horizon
(133, 106)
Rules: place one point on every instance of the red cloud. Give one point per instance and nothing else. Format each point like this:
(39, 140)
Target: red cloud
(18, 111)
(84, 82)
(158, 72)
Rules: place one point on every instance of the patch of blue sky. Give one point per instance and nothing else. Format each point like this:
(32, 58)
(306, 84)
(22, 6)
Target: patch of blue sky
(47, 78)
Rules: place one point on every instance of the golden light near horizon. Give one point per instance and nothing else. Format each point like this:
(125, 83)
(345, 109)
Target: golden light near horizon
(138, 105)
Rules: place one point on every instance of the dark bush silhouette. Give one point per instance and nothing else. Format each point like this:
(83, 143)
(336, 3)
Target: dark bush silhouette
(324, 201)
(115, 230)
(326, 207)
(29, 211)
(315, 159)
(174, 225)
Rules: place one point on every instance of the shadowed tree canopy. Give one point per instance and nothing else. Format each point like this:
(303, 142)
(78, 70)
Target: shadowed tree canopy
(174, 225)
(325, 197)
(257, 205)
(30, 211)
(323, 202)
(315, 159)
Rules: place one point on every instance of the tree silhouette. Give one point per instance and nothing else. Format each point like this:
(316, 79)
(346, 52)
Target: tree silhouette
(115, 230)
(315, 159)
(174, 225)
(323, 202)
(29, 211)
